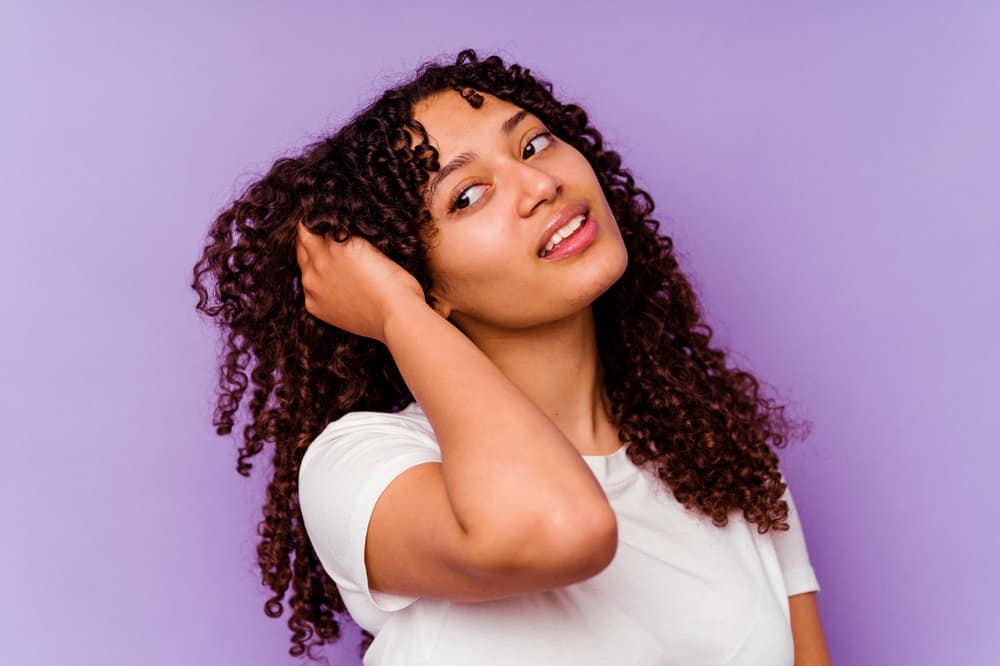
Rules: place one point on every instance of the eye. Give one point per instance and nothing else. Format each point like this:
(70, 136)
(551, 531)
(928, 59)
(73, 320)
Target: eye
(453, 204)
(546, 135)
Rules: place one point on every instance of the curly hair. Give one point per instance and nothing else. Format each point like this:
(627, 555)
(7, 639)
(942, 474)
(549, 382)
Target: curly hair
(705, 429)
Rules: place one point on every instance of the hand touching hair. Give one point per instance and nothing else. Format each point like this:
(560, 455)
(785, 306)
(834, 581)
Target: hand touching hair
(364, 284)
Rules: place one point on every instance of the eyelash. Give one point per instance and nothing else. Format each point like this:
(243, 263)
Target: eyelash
(458, 195)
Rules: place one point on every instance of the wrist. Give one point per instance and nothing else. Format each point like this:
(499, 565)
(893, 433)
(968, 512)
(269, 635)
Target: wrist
(400, 315)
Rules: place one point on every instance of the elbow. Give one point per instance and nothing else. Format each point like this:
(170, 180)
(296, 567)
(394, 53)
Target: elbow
(573, 546)
(598, 541)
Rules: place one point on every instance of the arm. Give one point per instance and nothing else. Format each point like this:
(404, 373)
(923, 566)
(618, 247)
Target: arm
(517, 486)
(807, 631)
(517, 493)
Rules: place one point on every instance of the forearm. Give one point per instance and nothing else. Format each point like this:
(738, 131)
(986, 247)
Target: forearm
(807, 631)
(511, 475)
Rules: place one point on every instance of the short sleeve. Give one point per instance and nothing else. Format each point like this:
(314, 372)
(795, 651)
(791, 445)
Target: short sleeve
(793, 555)
(343, 473)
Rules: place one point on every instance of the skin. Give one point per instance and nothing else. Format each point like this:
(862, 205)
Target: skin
(807, 631)
(530, 316)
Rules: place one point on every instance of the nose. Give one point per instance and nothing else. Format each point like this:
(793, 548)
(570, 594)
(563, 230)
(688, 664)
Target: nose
(536, 186)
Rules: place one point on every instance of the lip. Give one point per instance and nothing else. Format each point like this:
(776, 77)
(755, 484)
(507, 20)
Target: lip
(578, 242)
(558, 221)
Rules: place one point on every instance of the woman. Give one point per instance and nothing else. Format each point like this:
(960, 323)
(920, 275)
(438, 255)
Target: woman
(499, 432)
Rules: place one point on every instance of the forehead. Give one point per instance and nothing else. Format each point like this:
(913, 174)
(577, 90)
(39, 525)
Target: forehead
(448, 117)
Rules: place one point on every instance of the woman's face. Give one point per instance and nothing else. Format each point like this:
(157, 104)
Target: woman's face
(490, 214)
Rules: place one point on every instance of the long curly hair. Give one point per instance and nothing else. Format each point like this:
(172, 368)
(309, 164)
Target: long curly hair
(704, 428)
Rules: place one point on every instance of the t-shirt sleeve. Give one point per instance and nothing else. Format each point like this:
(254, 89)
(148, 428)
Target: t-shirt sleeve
(343, 473)
(793, 555)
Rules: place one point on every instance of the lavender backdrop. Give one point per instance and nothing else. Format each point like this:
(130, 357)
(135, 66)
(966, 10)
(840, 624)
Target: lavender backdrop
(830, 175)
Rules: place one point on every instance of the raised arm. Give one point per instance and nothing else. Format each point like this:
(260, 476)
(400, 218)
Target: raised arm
(515, 482)
(512, 507)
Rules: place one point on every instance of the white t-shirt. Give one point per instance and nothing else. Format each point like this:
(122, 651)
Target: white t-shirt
(679, 590)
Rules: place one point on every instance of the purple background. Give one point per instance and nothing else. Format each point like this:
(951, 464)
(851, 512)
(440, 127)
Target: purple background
(830, 176)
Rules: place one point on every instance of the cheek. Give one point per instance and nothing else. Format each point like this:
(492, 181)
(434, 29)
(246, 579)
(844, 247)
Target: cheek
(487, 247)
(592, 177)
(489, 260)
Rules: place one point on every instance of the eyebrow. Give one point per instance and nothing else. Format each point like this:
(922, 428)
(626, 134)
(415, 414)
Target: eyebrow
(463, 159)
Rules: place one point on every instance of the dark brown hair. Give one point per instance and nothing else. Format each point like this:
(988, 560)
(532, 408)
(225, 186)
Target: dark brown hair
(707, 428)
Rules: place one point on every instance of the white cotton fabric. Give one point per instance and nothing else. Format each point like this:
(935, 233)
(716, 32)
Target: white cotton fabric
(679, 590)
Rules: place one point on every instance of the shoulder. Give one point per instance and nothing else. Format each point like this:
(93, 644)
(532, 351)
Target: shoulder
(343, 472)
(364, 439)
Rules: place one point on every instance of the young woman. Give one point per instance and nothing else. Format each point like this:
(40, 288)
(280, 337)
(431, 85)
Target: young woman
(499, 432)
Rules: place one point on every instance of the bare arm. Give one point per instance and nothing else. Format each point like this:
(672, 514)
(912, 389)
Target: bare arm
(807, 631)
(516, 484)
(512, 507)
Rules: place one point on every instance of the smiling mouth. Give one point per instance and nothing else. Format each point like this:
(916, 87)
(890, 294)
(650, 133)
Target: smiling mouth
(568, 230)
(577, 240)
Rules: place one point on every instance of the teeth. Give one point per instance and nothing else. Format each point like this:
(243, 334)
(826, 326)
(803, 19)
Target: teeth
(563, 232)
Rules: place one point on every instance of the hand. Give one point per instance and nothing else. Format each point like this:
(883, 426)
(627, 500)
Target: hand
(351, 284)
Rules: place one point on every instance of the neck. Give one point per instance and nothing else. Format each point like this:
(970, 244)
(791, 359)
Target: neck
(558, 367)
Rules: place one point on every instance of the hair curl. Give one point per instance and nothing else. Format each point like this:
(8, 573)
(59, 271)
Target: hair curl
(706, 428)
